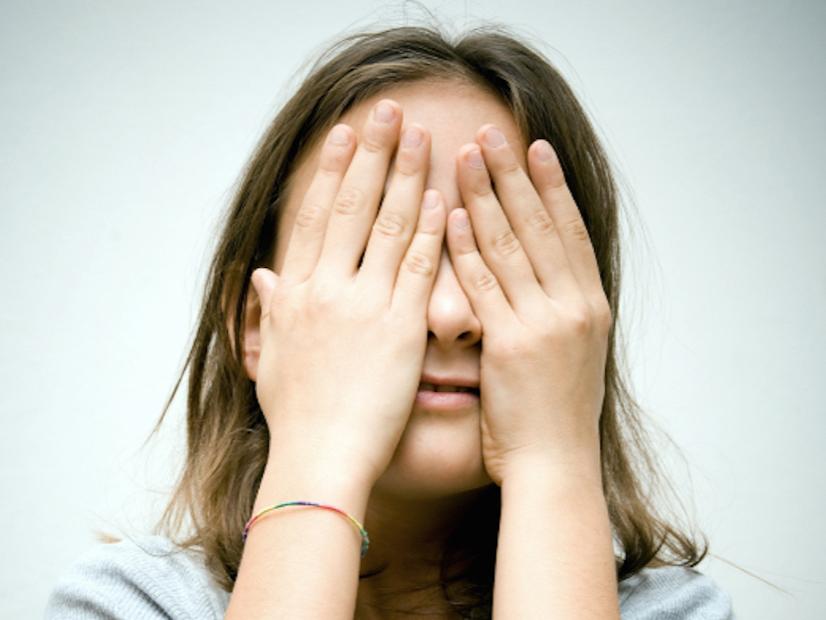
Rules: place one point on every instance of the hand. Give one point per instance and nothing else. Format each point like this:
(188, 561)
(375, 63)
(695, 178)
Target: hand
(534, 283)
(342, 344)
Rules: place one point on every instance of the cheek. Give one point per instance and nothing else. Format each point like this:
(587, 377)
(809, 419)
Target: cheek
(290, 201)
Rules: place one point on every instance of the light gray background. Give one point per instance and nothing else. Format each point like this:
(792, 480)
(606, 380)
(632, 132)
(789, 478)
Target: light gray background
(125, 127)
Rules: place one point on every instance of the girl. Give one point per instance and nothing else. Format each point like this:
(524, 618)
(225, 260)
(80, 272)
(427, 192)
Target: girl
(410, 321)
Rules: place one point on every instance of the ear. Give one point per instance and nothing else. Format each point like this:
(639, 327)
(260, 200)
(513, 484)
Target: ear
(263, 282)
(251, 337)
(251, 341)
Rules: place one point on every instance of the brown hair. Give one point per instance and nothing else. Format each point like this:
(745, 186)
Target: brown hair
(227, 437)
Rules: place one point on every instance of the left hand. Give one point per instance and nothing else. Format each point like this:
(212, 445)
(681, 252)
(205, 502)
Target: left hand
(534, 283)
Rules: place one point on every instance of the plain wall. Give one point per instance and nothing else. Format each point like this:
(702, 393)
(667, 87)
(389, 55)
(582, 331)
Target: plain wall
(125, 127)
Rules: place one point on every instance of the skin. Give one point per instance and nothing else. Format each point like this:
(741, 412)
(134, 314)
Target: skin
(545, 318)
(438, 455)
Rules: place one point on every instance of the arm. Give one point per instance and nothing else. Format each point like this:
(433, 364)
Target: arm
(323, 317)
(301, 561)
(533, 279)
(555, 554)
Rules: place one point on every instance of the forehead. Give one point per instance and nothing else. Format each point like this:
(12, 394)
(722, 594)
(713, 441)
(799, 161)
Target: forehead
(451, 111)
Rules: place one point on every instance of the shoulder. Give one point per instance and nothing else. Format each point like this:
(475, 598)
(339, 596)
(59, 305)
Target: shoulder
(144, 577)
(673, 592)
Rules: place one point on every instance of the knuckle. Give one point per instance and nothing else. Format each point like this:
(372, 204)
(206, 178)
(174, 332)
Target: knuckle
(348, 201)
(418, 263)
(323, 297)
(580, 320)
(485, 281)
(427, 232)
(310, 216)
(407, 169)
(333, 161)
(390, 224)
(407, 163)
(510, 168)
(541, 221)
(576, 229)
(506, 243)
(554, 184)
(481, 187)
(373, 143)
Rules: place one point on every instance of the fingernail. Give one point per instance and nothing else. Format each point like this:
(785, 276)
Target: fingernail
(412, 137)
(494, 137)
(461, 219)
(474, 158)
(385, 112)
(339, 135)
(544, 151)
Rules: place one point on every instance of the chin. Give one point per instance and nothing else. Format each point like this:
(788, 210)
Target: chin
(439, 454)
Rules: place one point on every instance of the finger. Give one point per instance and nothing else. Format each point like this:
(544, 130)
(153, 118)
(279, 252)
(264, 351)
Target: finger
(528, 216)
(497, 243)
(307, 235)
(399, 212)
(355, 205)
(479, 283)
(549, 180)
(418, 268)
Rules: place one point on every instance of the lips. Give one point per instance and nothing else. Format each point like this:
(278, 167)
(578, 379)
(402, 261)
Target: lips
(444, 383)
(447, 398)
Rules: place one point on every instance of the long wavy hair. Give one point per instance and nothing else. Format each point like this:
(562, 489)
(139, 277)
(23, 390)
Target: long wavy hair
(227, 436)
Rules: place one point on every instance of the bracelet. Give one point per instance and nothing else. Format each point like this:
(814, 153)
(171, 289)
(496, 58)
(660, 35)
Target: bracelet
(365, 540)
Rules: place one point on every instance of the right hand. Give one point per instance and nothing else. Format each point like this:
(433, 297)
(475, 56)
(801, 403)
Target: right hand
(342, 346)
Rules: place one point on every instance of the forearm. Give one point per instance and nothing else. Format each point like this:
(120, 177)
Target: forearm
(555, 554)
(301, 561)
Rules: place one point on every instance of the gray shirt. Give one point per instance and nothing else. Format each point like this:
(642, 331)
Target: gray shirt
(150, 578)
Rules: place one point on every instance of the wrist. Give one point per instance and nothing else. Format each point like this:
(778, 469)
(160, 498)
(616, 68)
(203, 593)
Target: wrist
(296, 479)
(557, 471)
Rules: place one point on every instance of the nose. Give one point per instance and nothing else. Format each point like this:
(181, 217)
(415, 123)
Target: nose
(451, 322)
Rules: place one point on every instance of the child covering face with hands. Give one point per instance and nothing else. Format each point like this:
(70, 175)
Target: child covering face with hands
(418, 285)
(541, 356)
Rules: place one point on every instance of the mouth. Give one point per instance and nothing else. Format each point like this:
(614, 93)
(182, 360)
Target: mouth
(447, 398)
(425, 386)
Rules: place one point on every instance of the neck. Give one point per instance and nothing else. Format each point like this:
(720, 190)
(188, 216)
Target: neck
(408, 536)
